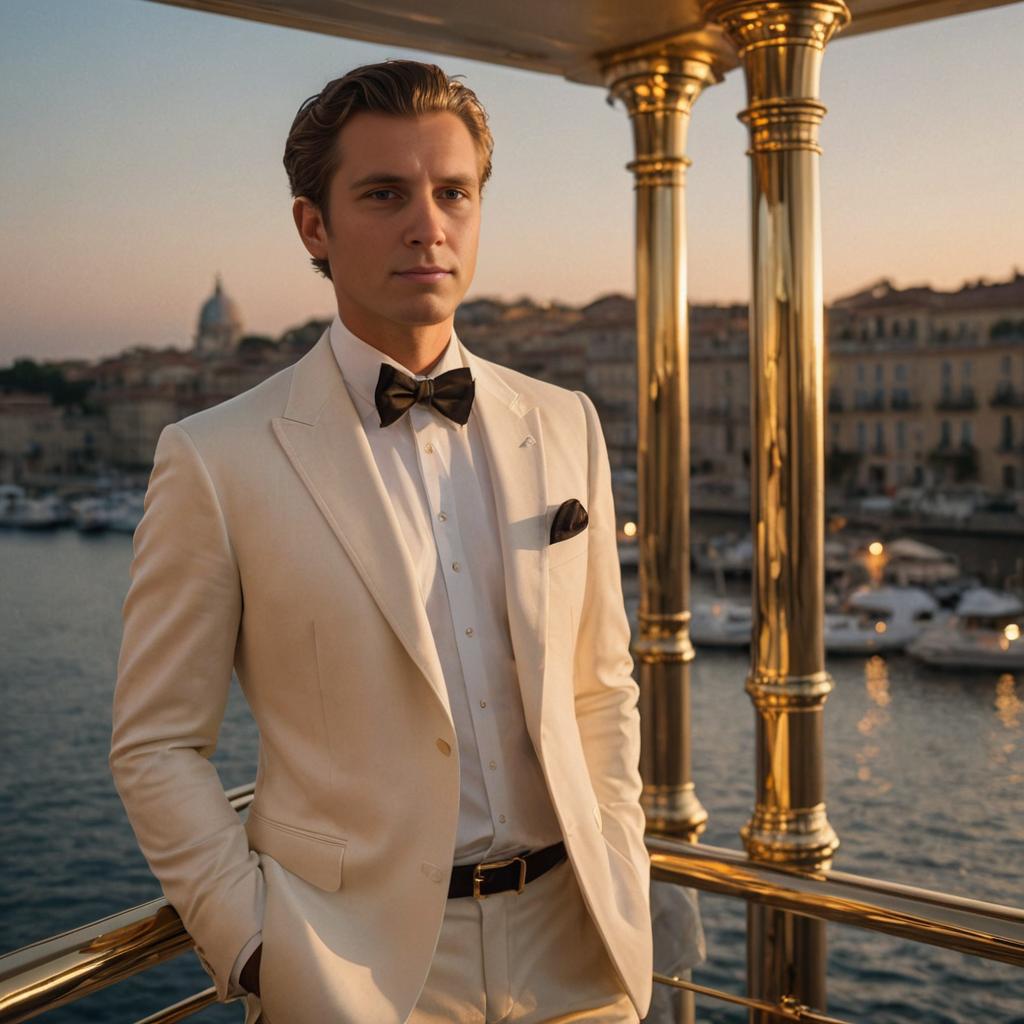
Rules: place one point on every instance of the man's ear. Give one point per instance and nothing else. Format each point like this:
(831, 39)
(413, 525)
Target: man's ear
(310, 225)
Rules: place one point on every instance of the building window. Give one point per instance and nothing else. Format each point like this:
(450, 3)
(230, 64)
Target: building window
(966, 433)
(879, 437)
(862, 437)
(945, 434)
(879, 372)
(901, 373)
(1006, 434)
(901, 435)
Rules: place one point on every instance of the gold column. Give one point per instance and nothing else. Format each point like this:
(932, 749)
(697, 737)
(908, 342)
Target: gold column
(781, 44)
(658, 91)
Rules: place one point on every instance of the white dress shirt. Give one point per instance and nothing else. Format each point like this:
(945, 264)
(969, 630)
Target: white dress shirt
(437, 475)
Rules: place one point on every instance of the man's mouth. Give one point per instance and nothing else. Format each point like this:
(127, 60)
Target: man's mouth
(424, 275)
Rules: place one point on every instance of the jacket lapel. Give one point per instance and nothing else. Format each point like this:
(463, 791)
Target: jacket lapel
(520, 495)
(323, 437)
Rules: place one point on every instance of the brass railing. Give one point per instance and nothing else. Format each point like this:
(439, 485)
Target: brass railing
(77, 963)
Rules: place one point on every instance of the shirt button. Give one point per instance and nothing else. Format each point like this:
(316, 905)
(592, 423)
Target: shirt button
(483, 703)
(501, 818)
(456, 566)
(444, 747)
(442, 516)
(492, 765)
(469, 631)
(428, 447)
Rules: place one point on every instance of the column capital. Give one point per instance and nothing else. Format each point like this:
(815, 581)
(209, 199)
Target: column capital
(781, 44)
(660, 82)
(658, 90)
(756, 23)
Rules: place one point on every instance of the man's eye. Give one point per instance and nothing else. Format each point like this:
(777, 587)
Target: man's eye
(454, 193)
(381, 193)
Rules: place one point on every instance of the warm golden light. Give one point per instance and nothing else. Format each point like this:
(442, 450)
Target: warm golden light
(875, 548)
(879, 627)
(629, 529)
(1012, 631)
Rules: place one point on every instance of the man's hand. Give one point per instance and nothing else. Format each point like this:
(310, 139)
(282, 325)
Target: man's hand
(249, 979)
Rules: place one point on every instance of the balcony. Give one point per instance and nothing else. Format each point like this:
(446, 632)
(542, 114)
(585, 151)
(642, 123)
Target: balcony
(1006, 396)
(964, 401)
(870, 403)
(903, 402)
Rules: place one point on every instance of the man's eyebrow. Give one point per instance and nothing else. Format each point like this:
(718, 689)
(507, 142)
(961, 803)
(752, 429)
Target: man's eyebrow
(386, 178)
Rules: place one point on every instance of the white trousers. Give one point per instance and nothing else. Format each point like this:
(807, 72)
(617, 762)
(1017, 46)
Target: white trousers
(519, 958)
(523, 958)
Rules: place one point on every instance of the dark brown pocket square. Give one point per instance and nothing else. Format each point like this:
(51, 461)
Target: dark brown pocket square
(570, 518)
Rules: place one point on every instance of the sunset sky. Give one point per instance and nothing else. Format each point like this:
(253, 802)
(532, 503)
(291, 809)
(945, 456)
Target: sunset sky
(142, 154)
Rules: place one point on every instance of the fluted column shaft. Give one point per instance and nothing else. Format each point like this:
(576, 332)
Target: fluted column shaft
(658, 91)
(781, 44)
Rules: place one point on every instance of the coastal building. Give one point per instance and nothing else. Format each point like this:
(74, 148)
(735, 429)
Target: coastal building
(926, 387)
(45, 442)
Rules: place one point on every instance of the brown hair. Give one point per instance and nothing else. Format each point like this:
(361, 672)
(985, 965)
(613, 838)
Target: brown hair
(402, 88)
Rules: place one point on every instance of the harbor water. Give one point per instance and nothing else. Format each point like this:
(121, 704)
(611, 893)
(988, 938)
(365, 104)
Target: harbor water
(925, 786)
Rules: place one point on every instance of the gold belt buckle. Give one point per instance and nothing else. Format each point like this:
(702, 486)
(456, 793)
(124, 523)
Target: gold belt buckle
(478, 878)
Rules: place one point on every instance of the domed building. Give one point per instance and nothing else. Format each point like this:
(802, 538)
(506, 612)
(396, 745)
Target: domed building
(220, 324)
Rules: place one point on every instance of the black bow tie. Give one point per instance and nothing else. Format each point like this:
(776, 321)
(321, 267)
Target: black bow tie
(451, 393)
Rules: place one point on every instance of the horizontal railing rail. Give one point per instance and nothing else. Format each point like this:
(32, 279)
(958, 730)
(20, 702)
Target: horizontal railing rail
(77, 963)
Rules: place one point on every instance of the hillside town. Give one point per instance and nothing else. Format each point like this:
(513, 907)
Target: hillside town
(925, 392)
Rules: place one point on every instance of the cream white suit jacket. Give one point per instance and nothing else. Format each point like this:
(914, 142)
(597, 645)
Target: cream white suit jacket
(269, 546)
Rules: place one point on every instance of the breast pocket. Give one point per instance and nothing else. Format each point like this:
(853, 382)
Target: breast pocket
(315, 857)
(566, 550)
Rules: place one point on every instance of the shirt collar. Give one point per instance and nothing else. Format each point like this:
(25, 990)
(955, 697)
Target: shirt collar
(360, 363)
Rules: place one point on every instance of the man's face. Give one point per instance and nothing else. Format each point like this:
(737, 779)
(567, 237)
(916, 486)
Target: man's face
(404, 220)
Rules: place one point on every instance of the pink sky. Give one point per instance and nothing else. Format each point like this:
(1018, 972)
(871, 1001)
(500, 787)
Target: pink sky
(134, 173)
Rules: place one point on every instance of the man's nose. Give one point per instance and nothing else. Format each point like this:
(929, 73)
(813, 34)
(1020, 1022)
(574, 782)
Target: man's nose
(426, 224)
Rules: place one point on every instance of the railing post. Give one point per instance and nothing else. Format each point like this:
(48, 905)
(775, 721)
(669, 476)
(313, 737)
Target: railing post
(781, 44)
(658, 91)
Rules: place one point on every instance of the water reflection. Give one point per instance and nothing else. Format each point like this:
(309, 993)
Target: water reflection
(1008, 707)
(874, 719)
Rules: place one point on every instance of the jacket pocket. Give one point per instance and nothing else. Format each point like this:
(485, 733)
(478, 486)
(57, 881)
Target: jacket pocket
(313, 856)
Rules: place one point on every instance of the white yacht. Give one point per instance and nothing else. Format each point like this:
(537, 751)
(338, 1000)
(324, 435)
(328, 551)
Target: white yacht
(913, 564)
(126, 511)
(92, 514)
(986, 632)
(879, 619)
(722, 622)
(45, 513)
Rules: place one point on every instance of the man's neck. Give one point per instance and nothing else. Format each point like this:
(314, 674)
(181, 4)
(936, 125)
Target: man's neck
(416, 347)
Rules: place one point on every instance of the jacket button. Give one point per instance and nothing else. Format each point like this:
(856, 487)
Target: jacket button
(444, 747)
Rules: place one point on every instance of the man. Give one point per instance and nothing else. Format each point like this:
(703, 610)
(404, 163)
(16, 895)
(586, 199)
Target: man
(407, 553)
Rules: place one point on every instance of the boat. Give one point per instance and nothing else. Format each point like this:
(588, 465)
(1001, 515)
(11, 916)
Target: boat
(910, 563)
(125, 511)
(45, 513)
(879, 619)
(92, 514)
(722, 622)
(986, 632)
(726, 554)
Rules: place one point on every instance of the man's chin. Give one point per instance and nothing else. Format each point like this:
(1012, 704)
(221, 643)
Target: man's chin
(425, 314)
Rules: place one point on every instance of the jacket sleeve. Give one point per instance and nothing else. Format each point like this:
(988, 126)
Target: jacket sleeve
(181, 619)
(606, 694)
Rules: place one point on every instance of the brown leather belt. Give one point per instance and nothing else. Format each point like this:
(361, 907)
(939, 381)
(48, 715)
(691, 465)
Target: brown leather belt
(494, 876)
